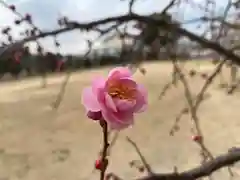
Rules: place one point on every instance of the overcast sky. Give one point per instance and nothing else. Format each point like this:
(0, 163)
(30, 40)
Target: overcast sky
(45, 13)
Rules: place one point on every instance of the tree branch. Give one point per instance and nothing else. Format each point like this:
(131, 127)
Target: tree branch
(146, 19)
(201, 171)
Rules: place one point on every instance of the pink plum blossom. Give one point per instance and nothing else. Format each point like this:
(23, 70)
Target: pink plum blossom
(116, 98)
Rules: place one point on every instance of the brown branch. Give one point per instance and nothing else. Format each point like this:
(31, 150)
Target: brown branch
(166, 87)
(104, 159)
(206, 169)
(189, 97)
(146, 19)
(171, 4)
(207, 83)
(143, 160)
(222, 21)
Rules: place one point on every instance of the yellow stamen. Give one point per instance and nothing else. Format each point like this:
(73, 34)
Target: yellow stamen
(121, 91)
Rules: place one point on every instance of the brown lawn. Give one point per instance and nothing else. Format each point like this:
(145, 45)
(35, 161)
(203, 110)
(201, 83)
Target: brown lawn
(37, 143)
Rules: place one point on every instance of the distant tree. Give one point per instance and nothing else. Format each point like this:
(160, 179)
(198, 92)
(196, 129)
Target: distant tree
(11, 60)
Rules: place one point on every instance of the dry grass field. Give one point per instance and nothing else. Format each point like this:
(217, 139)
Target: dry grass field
(37, 143)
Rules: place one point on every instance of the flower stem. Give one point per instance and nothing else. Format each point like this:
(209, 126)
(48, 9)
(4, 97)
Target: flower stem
(104, 159)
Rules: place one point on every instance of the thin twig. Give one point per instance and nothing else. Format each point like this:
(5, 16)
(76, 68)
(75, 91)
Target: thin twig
(144, 161)
(104, 160)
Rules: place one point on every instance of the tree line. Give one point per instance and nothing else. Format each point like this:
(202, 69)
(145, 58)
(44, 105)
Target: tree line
(21, 60)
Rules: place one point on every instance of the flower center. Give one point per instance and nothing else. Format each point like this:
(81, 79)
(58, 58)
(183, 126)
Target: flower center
(121, 91)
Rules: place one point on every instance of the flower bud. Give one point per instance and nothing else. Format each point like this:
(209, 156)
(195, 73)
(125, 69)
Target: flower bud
(197, 138)
(28, 18)
(17, 22)
(94, 115)
(204, 75)
(101, 165)
(12, 7)
(192, 73)
(98, 164)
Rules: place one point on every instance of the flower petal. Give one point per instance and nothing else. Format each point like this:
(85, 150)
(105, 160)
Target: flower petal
(128, 83)
(118, 121)
(110, 103)
(97, 84)
(141, 101)
(124, 105)
(105, 100)
(120, 72)
(89, 100)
